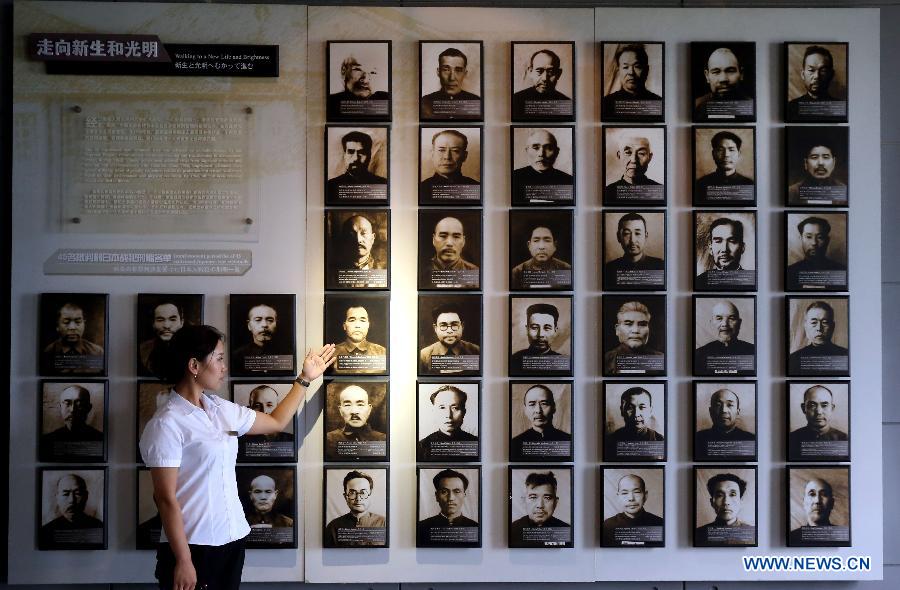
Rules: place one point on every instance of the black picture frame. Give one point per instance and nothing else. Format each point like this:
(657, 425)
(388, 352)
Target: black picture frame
(716, 358)
(649, 272)
(541, 230)
(345, 442)
(276, 528)
(280, 447)
(375, 359)
(830, 146)
(150, 395)
(82, 350)
(340, 107)
(147, 521)
(812, 362)
(803, 107)
(737, 101)
(555, 442)
(621, 106)
(647, 359)
(464, 531)
(645, 529)
(365, 187)
(548, 186)
(745, 535)
(458, 273)
(436, 444)
(63, 533)
(438, 357)
(708, 247)
(349, 229)
(644, 191)
(828, 273)
(367, 536)
(527, 104)
(837, 478)
(737, 444)
(79, 441)
(249, 359)
(175, 312)
(455, 187)
(541, 364)
(440, 105)
(807, 443)
(625, 443)
(553, 532)
(718, 188)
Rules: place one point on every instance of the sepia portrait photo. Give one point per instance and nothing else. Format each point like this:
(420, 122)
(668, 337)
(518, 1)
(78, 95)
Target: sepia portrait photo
(357, 420)
(359, 324)
(357, 165)
(542, 81)
(724, 166)
(357, 249)
(159, 317)
(634, 335)
(151, 395)
(73, 417)
(450, 249)
(449, 334)
(634, 250)
(450, 80)
(448, 507)
(358, 81)
(724, 335)
(725, 422)
(725, 506)
(72, 334)
(450, 165)
(72, 511)
(725, 251)
(818, 170)
(818, 506)
(634, 166)
(817, 82)
(262, 334)
(267, 495)
(816, 251)
(818, 336)
(541, 245)
(634, 425)
(540, 335)
(355, 510)
(723, 81)
(818, 421)
(634, 506)
(448, 421)
(541, 503)
(633, 82)
(543, 165)
(279, 447)
(540, 421)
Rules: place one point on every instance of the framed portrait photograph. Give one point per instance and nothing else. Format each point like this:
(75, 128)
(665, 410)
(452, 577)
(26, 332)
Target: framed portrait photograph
(268, 496)
(264, 396)
(725, 506)
(633, 82)
(541, 421)
(72, 330)
(724, 166)
(450, 81)
(358, 81)
(725, 251)
(72, 508)
(148, 523)
(541, 248)
(816, 251)
(357, 249)
(725, 421)
(818, 171)
(448, 421)
(818, 336)
(818, 421)
(151, 395)
(450, 334)
(357, 165)
(816, 81)
(73, 417)
(542, 81)
(451, 165)
(818, 506)
(262, 330)
(357, 420)
(541, 507)
(634, 166)
(634, 250)
(159, 316)
(356, 506)
(634, 428)
(448, 506)
(450, 249)
(724, 335)
(360, 325)
(634, 506)
(723, 81)
(541, 335)
(634, 335)
(542, 165)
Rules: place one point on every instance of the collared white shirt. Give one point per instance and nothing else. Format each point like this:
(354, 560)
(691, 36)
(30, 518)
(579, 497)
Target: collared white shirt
(203, 445)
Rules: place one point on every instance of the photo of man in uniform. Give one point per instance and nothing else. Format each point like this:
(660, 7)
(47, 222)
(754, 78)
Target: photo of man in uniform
(357, 239)
(356, 328)
(449, 241)
(448, 328)
(262, 323)
(355, 408)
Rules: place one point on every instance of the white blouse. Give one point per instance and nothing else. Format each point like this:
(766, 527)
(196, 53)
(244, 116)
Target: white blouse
(202, 443)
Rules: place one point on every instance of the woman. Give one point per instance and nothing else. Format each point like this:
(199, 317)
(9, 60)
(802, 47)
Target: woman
(190, 445)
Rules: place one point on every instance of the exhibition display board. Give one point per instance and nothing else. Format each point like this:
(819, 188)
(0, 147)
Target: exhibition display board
(101, 168)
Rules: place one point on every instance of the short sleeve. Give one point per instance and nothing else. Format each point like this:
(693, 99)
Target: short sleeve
(240, 418)
(161, 445)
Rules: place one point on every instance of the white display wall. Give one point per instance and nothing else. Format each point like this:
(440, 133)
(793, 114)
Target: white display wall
(290, 132)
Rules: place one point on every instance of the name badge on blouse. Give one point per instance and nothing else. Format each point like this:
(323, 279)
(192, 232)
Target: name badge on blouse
(231, 432)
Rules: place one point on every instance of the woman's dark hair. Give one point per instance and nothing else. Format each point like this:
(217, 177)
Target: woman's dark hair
(190, 342)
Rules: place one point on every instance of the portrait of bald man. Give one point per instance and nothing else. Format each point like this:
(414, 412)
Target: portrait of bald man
(357, 249)
(264, 397)
(262, 334)
(634, 160)
(631, 496)
(358, 83)
(356, 417)
(633, 80)
(723, 81)
(543, 160)
(72, 508)
(542, 81)
(70, 416)
(725, 421)
(267, 496)
(816, 82)
(160, 316)
(819, 506)
(819, 421)
(73, 330)
(719, 324)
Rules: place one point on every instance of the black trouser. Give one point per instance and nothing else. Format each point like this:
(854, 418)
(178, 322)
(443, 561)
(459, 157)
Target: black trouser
(218, 567)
